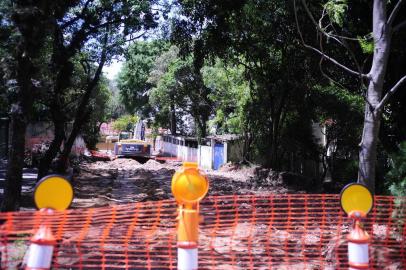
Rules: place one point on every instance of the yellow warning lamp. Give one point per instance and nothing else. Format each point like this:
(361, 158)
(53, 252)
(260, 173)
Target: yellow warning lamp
(189, 186)
(53, 192)
(356, 200)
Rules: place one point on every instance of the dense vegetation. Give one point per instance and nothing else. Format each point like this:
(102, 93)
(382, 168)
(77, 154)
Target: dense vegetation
(268, 71)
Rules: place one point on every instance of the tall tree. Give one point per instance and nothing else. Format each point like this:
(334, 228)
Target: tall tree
(384, 26)
(51, 36)
(30, 19)
(133, 78)
(261, 36)
(101, 111)
(83, 111)
(163, 107)
(7, 43)
(99, 29)
(180, 92)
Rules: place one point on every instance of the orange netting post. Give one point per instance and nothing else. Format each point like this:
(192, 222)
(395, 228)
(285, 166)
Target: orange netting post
(42, 246)
(358, 243)
(357, 201)
(189, 186)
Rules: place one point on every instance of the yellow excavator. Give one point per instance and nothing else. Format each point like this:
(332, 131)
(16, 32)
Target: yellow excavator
(135, 147)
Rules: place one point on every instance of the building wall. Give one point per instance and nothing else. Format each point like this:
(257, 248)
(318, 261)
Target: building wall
(319, 133)
(205, 157)
(40, 133)
(176, 147)
(235, 151)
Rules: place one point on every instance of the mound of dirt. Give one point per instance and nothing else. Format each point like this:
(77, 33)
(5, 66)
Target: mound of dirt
(234, 171)
(229, 166)
(124, 163)
(293, 182)
(126, 180)
(153, 165)
(120, 163)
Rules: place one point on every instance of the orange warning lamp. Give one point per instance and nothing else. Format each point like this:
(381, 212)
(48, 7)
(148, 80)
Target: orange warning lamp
(53, 192)
(357, 201)
(189, 185)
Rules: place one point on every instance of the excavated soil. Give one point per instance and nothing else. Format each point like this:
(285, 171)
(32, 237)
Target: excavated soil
(123, 180)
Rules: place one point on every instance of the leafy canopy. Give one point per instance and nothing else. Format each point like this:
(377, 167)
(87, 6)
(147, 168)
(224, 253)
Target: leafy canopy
(133, 81)
(125, 122)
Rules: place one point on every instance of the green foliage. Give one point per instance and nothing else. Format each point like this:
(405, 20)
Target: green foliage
(262, 37)
(115, 106)
(126, 122)
(230, 95)
(100, 112)
(396, 177)
(337, 100)
(164, 96)
(396, 183)
(367, 44)
(179, 89)
(336, 10)
(133, 81)
(340, 111)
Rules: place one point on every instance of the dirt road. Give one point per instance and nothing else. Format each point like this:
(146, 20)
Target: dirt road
(123, 180)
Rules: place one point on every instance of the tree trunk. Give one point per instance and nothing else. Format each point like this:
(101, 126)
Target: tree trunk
(200, 125)
(50, 154)
(173, 116)
(28, 18)
(12, 190)
(204, 118)
(67, 147)
(372, 117)
(63, 68)
(82, 113)
(20, 114)
(275, 143)
(367, 154)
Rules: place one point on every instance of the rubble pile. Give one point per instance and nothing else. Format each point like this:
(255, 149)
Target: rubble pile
(125, 180)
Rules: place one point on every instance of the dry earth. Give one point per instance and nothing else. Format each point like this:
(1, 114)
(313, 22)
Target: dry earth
(104, 183)
(123, 180)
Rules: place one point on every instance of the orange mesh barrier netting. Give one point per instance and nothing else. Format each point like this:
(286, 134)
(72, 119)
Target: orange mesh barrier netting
(238, 232)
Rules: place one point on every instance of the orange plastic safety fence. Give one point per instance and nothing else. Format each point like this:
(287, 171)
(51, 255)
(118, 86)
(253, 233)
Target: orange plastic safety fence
(296, 231)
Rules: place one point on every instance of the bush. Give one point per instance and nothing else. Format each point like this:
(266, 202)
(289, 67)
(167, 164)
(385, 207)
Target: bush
(396, 183)
(396, 177)
(125, 122)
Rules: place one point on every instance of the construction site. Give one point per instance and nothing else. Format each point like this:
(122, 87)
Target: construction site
(123, 216)
(202, 134)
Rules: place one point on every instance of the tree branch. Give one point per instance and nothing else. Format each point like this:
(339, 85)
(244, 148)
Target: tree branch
(395, 11)
(332, 60)
(78, 17)
(80, 115)
(344, 43)
(104, 24)
(86, 66)
(400, 25)
(132, 38)
(390, 93)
